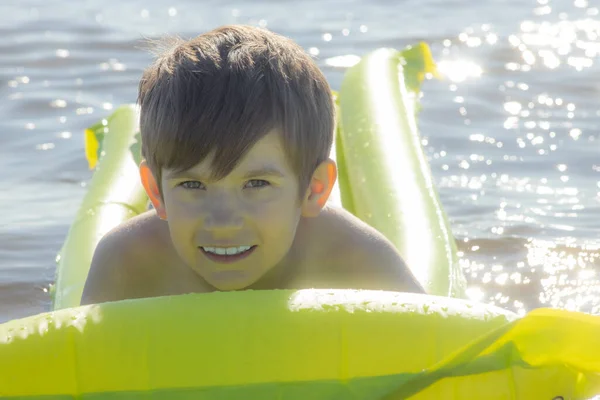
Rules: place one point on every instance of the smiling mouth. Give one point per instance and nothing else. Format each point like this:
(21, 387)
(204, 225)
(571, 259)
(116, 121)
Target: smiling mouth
(226, 255)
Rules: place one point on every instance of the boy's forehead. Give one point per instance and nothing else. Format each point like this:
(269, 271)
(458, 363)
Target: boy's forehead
(270, 143)
(267, 154)
(267, 150)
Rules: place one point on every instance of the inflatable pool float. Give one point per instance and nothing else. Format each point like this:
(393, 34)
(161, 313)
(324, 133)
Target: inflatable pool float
(300, 344)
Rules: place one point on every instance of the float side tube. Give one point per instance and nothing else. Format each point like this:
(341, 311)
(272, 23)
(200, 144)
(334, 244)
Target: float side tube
(388, 178)
(114, 195)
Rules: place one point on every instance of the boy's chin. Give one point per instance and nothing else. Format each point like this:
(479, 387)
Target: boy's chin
(229, 281)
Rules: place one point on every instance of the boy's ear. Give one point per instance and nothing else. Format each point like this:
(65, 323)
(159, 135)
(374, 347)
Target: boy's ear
(152, 189)
(319, 189)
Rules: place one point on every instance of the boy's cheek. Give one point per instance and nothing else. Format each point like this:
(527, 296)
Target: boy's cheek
(180, 208)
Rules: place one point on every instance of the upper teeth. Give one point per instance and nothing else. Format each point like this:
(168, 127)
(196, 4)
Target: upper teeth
(226, 250)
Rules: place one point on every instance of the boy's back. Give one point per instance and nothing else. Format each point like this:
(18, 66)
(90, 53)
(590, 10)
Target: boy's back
(237, 127)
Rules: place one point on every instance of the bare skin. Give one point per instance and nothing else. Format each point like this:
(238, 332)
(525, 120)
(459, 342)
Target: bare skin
(334, 250)
(299, 243)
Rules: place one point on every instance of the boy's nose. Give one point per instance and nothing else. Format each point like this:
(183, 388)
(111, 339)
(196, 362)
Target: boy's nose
(223, 218)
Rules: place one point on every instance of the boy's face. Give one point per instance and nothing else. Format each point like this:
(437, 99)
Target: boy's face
(252, 215)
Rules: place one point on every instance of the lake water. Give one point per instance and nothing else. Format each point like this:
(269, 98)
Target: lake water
(512, 131)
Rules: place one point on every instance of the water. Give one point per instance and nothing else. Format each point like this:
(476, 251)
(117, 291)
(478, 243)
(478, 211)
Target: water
(511, 132)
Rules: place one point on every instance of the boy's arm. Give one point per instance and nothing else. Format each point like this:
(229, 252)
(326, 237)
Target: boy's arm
(106, 278)
(375, 264)
(359, 256)
(385, 268)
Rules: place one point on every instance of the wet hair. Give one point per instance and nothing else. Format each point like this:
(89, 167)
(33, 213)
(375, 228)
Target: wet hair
(221, 92)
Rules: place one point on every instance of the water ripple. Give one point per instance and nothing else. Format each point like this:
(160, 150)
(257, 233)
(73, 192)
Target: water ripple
(511, 131)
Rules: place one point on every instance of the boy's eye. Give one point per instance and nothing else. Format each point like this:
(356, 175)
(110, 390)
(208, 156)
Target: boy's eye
(191, 185)
(257, 183)
(252, 184)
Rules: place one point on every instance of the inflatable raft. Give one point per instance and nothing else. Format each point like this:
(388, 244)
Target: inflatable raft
(304, 344)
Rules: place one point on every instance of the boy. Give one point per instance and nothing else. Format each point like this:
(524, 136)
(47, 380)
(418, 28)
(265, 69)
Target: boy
(237, 126)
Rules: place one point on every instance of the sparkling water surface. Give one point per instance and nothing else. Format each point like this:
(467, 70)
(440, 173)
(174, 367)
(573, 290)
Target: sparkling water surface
(511, 131)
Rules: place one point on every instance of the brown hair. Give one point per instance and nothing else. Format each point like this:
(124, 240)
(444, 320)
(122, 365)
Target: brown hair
(223, 91)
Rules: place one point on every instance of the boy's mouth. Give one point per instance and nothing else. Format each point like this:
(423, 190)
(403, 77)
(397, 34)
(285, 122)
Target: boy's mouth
(227, 255)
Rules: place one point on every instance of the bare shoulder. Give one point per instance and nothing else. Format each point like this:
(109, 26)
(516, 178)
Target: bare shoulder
(360, 257)
(120, 267)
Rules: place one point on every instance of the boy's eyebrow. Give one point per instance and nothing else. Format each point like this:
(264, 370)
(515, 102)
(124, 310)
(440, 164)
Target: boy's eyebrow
(264, 171)
(261, 171)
